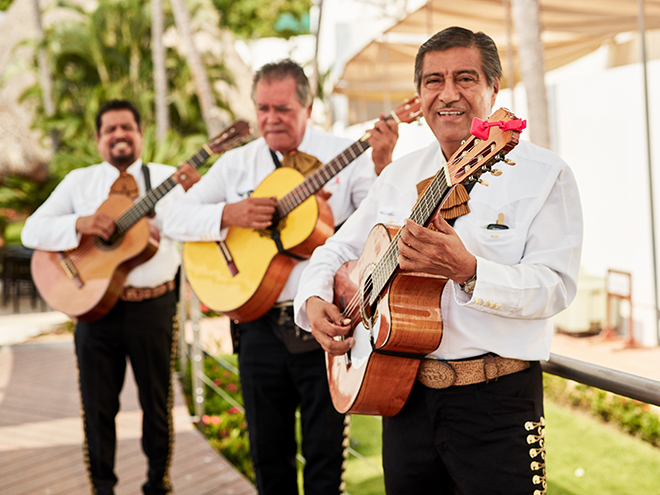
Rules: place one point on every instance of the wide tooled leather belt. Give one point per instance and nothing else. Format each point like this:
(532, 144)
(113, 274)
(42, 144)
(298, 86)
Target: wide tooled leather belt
(137, 294)
(442, 374)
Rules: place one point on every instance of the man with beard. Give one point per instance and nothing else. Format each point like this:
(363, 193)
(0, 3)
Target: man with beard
(141, 325)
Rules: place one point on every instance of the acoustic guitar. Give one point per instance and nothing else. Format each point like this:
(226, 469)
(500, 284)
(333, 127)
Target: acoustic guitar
(243, 276)
(86, 282)
(395, 315)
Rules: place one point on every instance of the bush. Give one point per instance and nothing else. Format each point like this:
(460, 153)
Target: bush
(223, 423)
(632, 416)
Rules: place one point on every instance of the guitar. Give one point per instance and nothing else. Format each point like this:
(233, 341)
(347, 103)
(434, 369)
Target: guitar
(86, 282)
(243, 276)
(395, 315)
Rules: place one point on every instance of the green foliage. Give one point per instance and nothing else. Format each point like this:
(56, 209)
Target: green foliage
(259, 19)
(223, 423)
(632, 416)
(4, 4)
(101, 55)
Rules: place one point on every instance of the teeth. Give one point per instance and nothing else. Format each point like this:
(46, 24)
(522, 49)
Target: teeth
(121, 145)
(450, 113)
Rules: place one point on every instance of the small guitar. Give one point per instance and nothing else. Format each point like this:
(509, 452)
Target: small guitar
(395, 315)
(243, 276)
(86, 282)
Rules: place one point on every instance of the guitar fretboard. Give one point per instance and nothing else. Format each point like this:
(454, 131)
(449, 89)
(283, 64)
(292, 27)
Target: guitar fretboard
(421, 214)
(147, 204)
(318, 179)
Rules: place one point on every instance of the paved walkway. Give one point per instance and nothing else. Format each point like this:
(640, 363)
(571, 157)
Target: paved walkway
(41, 430)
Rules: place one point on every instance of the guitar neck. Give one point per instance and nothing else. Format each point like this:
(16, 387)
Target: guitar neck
(421, 215)
(147, 204)
(318, 179)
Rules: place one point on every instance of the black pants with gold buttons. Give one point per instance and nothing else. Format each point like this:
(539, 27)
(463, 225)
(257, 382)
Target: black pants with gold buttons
(275, 383)
(486, 438)
(142, 333)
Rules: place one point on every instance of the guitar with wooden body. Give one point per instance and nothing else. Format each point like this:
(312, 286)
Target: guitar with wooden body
(243, 276)
(395, 315)
(86, 282)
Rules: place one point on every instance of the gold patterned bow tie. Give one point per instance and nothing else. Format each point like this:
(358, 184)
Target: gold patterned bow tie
(302, 162)
(456, 204)
(125, 185)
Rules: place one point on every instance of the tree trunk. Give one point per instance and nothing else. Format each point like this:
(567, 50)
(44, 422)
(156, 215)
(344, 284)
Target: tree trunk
(45, 77)
(161, 110)
(211, 113)
(530, 53)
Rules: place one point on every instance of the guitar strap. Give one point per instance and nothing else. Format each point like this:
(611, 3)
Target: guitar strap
(275, 234)
(147, 180)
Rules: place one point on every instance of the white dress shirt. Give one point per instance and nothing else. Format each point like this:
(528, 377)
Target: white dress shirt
(53, 226)
(525, 274)
(198, 215)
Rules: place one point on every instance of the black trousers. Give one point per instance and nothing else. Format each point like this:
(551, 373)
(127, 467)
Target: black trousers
(141, 332)
(275, 382)
(477, 439)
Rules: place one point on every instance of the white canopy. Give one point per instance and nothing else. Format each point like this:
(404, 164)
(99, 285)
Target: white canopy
(382, 72)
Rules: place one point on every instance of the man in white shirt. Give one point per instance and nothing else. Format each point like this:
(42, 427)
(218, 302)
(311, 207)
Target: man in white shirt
(140, 326)
(280, 371)
(511, 264)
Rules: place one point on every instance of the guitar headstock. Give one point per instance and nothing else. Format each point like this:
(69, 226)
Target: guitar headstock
(231, 137)
(408, 111)
(494, 138)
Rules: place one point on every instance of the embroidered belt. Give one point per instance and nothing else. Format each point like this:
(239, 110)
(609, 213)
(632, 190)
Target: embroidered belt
(136, 294)
(442, 374)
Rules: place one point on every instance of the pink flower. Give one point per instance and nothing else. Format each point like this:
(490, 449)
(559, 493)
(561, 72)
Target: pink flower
(232, 410)
(226, 374)
(206, 419)
(232, 387)
(217, 381)
(216, 420)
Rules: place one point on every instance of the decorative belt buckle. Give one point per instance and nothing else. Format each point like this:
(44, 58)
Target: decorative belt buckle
(436, 374)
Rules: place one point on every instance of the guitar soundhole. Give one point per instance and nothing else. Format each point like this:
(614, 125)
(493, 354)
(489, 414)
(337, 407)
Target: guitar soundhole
(367, 311)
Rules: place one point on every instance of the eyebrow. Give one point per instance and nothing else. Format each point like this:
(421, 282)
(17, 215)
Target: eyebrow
(459, 73)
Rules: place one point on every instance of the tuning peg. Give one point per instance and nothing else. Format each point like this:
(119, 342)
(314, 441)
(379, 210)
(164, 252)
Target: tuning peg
(496, 172)
(483, 182)
(509, 162)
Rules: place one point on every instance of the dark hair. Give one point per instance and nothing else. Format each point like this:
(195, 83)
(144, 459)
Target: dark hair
(116, 105)
(453, 37)
(278, 71)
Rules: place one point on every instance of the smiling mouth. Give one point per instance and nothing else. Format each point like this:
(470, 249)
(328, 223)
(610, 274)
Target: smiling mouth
(121, 145)
(450, 113)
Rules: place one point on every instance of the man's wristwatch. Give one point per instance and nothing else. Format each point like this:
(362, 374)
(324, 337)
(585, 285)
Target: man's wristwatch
(468, 285)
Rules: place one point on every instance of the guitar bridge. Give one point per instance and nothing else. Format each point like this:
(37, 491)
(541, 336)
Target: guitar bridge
(70, 269)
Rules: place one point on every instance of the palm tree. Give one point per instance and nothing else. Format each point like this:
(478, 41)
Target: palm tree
(214, 119)
(161, 110)
(45, 78)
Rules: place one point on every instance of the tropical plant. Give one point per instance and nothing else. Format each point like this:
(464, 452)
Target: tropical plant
(259, 19)
(104, 54)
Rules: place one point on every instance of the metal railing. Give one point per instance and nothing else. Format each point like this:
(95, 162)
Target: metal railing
(617, 382)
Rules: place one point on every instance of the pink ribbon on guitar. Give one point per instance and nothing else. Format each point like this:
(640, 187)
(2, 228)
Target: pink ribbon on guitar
(480, 128)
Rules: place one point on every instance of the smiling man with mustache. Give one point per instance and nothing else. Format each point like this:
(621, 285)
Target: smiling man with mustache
(473, 423)
(140, 326)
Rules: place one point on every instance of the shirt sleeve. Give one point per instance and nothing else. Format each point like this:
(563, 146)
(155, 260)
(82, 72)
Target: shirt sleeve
(318, 277)
(197, 215)
(52, 227)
